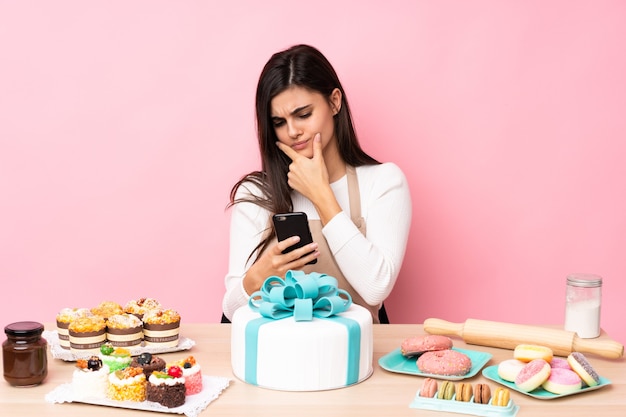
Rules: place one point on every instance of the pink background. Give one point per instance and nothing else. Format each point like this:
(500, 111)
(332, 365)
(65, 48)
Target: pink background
(124, 124)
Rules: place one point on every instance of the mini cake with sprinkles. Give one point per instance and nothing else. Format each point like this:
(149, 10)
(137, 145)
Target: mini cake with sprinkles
(124, 330)
(192, 374)
(141, 306)
(90, 378)
(148, 362)
(86, 335)
(107, 309)
(161, 328)
(64, 318)
(116, 358)
(167, 387)
(128, 384)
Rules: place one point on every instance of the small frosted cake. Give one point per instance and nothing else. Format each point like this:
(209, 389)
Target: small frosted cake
(128, 384)
(149, 363)
(86, 335)
(107, 309)
(124, 330)
(116, 358)
(142, 306)
(167, 387)
(90, 378)
(161, 328)
(64, 318)
(192, 374)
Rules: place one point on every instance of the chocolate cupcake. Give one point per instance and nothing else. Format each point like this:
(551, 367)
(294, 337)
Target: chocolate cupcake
(167, 387)
(149, 363)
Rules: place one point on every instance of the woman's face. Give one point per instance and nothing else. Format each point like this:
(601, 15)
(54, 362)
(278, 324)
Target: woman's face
(299, 114)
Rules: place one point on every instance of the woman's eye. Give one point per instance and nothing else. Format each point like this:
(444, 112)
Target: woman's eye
(305, 115)
(278, 123)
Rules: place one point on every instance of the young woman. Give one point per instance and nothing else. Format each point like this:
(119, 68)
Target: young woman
(359, 210)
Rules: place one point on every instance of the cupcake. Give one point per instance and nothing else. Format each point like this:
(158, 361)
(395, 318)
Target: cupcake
(128, 384)
(167, 387)
(141, 306)
(107, 309)
(64, 318)
(161, 328)
(192, 374)
(90, 378)
(116, 358)
(124, 330)
(148, 362)
(86, 335)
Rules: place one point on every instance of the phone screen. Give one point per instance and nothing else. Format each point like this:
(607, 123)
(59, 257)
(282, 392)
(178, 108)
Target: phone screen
(293, 224)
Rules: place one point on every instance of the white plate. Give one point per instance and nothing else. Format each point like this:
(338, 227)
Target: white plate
(212, 387)
(52, 337)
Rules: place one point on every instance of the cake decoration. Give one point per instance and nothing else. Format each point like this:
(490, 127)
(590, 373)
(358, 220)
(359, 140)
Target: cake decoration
(303, 315)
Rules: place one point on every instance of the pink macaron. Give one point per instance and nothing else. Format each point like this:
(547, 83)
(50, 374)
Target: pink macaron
(429, 389)
(562, 381)
(532, 375)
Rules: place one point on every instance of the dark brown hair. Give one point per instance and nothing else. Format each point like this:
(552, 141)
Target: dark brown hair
(303, 66)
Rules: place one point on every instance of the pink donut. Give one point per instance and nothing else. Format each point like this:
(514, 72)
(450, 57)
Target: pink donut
(532, 375)
(413, 346)
(562, 381)
(444, 362)
(559, 363)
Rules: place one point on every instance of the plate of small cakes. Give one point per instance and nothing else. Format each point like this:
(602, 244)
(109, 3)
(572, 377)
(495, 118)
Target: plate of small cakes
(536, 372)
(146, 382)
(434, 356)
(142, 325)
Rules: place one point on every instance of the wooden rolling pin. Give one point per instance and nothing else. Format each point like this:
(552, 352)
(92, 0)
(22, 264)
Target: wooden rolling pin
(509, 335)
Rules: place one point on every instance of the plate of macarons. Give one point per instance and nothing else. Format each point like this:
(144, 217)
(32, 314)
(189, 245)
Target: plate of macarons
(434, 356)
(536, 372)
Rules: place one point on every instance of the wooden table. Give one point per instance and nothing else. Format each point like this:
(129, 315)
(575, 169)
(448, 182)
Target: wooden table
(383, 394)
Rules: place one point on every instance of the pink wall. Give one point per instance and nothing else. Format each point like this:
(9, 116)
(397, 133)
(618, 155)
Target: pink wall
(124, 125)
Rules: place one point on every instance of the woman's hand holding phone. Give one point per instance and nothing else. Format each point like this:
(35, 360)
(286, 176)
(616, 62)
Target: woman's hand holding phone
(275, 262)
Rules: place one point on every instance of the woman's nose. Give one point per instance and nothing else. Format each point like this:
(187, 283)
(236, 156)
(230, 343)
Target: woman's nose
(293, 130)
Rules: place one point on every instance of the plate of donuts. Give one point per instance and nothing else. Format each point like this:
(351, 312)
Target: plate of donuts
(396, 362)
(491, 372)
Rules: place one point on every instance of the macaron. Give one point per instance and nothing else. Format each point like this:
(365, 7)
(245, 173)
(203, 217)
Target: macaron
(562, 381)
(446, 391)
(415, 346)
(429, 388)
(532, 375)
(482, 394)
(583, 368)
(501, 397)
(464, 391)
(526, 353)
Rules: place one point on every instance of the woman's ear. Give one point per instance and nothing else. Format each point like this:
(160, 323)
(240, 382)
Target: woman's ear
(335, 100)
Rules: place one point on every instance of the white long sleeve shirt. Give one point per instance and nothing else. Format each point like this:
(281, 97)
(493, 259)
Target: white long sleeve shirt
(370, 263)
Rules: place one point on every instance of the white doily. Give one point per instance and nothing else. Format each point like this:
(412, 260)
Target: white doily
(52, 337)
(212, 387)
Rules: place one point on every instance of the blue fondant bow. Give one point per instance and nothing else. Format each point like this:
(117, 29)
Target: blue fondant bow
(300, 295)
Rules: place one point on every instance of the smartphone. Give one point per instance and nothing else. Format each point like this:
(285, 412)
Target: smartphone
(293, 224)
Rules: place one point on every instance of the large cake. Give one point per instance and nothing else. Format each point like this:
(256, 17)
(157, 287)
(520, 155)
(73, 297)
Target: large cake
(301, 334)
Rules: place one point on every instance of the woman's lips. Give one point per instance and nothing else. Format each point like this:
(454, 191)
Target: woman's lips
(300, 145)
